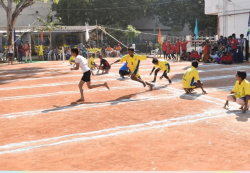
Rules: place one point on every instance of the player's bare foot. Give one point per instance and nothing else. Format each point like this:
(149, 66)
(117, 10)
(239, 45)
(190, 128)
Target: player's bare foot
(80, 100)
(144, 83)
(153, 81)
(204, 92)
(151, 86)
(241, 107)
(106, 85)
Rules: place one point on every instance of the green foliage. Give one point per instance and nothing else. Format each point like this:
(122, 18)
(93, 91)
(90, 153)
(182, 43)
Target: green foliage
(132, 30)
(158, 46)
(48, 25)
(177, 14)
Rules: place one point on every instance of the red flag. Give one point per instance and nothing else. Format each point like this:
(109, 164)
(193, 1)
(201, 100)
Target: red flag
(159, 36)
(42, 36)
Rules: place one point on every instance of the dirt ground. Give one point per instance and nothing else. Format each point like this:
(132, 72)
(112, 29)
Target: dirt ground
(126, 128)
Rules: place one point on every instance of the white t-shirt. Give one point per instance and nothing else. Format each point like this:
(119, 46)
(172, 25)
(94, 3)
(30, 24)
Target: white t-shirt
(83, 64)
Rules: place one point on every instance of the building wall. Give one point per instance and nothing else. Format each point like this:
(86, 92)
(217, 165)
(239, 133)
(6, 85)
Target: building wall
(28, 15)
(233, 16)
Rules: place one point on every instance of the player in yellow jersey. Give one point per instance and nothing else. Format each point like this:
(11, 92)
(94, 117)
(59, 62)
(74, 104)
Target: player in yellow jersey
(241, 92)
(190, 77)
(161, 65)
(134, 63)
(91, 63)
(40, 51)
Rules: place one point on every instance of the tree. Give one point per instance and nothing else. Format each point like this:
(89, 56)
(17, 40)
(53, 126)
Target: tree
(107, 12)
(48, 25)
(178, 13)
(12, 15)
(132, 33)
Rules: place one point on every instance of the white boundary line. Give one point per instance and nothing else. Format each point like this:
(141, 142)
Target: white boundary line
(112, 132)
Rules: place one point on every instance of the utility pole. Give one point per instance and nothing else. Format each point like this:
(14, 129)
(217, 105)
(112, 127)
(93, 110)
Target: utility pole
(97, 41)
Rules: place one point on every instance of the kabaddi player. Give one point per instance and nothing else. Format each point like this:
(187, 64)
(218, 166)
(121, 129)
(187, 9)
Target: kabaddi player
(124, 70)
(241, 91)
(91, 63)
(161, 65)
(134, 63)
(81, 62)
(104, 65)
(190, 77)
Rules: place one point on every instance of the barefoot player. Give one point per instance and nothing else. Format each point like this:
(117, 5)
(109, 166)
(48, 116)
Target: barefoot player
(134, 63)
(161, 65)
(81, 62)
(190, 77)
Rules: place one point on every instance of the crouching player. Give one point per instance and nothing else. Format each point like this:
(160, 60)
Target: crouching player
(190, 77)
(241, 91)
(161, 65)
(124, 70)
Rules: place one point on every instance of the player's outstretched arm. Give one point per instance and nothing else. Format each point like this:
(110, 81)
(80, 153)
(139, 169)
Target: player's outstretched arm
(115, 62)
(75, 67)
(152, 71)
(164, 73)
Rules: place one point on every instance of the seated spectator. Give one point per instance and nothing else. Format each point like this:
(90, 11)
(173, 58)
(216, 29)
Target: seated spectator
(229, 59)
(201, 49)
(226, 58)
(215, 47)
(109, 50)
(221, 48)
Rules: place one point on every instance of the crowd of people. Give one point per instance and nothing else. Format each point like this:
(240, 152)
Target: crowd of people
(224, 51)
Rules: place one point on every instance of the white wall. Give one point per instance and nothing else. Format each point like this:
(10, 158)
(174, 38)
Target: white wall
(28, 15)
(230, 19)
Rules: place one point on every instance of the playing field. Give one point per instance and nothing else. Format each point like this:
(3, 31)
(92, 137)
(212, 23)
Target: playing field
(125, 128)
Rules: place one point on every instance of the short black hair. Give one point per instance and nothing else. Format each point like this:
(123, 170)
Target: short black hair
(93, 54)
(75, 50)
(241, 35)
(100, 56)
(242, 74)
(233, 35)
(195, 63)
(131, 48)
(155, 61)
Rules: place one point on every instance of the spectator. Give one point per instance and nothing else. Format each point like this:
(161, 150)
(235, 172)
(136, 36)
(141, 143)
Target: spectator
(241, 48)
(164, 48)
(201, 49)
(234, 43)
(221, 40)
(15, 51)
(109, 50)
(10, 54)
(206, 53)
(215, 48)
(118, 49)
(21, 52)
(150, 46)
(178, 48)
(173, 51)
(169, 49)
(27, 48)
(71, 45)
(221, 48)
(184, 45)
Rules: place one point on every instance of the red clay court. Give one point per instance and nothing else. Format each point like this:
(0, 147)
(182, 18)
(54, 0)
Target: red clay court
(127, 128)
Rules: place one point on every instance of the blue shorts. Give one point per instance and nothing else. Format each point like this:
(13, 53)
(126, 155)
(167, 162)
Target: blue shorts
(244, 98)
(193, 83)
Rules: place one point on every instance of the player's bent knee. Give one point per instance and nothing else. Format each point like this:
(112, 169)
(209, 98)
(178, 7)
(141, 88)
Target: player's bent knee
(240, 101)
(231, 98)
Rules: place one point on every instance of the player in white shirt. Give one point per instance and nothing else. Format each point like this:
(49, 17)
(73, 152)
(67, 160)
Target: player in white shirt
(81, 62)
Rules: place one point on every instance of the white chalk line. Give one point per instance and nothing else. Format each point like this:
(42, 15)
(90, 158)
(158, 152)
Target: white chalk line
(24, 146)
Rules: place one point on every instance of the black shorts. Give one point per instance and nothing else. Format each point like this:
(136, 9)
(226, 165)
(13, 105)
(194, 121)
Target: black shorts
(10, 54)
(86, 76)
(124, 73)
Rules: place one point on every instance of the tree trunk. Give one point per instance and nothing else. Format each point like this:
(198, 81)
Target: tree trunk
(50, 40)
(9, 24)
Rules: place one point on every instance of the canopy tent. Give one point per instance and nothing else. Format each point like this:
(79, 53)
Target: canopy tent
(64, 29)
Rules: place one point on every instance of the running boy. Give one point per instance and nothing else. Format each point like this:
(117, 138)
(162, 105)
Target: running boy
(189, 78)
(134, 63)
(161, 65)
(241, 91)
(81, 62)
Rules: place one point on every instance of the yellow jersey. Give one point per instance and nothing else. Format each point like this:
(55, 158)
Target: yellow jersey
(190, 77)
(40, 50)
(241, 90)
(133, 62)
(163, 65)
(91, 62)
